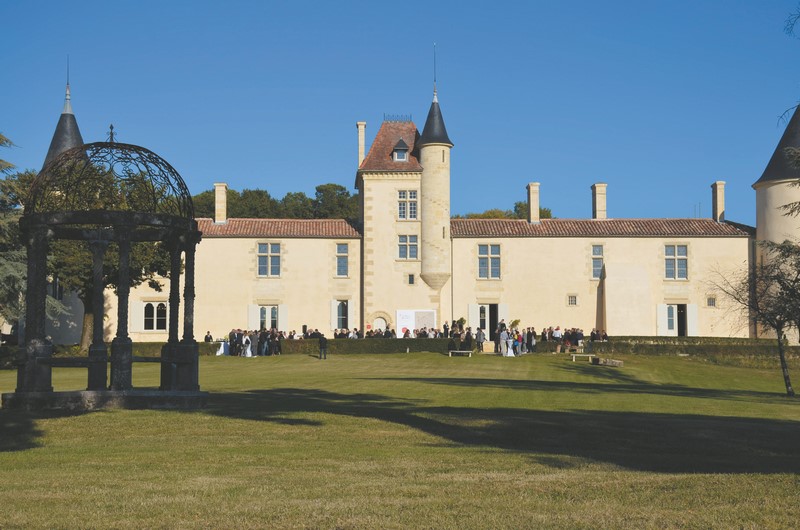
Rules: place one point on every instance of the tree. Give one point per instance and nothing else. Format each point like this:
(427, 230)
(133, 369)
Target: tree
(255, 204)
(333, 201)
(769, 294)
(13, 256)
(520, 211)
(297, 205)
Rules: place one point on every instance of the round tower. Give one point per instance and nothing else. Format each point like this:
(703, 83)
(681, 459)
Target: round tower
(776, 188)
(434, 157)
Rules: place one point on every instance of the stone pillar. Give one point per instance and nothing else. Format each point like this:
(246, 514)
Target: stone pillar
(98, 354)
(121, 346)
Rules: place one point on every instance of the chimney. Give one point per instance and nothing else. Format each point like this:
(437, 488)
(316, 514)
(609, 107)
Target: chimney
(718, 201)
(362, 128)
(533, 202)
(599, 200)
(220, 202)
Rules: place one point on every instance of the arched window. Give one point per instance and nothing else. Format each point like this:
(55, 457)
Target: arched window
(149, 317)
(155, 316)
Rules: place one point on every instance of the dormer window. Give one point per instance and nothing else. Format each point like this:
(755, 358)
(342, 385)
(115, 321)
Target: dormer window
(400, 151)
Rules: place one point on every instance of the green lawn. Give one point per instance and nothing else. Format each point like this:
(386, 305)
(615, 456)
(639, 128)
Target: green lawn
(418, 441)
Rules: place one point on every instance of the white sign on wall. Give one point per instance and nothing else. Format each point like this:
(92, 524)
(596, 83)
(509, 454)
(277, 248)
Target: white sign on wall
(410, 319)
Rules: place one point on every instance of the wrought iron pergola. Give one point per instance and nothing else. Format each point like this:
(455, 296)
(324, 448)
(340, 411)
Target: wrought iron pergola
(104, 193)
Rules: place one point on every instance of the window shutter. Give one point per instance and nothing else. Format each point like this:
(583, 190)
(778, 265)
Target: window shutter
(661, 320)
(502, 313)
(334, 314)
(136, 316)
(473, 316)
(691, 320)
(253, 316)
(283, 317)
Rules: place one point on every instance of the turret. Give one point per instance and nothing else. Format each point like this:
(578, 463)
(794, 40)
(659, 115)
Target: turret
(434, 157)
(67, 134)
(775, 189)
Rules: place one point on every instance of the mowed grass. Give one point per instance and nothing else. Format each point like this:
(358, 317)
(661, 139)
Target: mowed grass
(417, 441)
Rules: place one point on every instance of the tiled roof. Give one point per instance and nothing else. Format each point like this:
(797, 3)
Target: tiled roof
(597, 228)
(380, 158)
(318, 228)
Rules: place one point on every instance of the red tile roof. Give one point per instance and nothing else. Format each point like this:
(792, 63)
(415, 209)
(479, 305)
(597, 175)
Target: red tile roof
(463, 228)
(380, 158)
(597, 228)
(311, 228)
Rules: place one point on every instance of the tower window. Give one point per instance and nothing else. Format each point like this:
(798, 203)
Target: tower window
(407, 247)
(407, 205)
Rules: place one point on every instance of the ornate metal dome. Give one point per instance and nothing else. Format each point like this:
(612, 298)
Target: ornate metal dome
(111, 177)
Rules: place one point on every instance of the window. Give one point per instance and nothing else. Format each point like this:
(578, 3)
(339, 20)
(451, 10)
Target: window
(407, 247)
(341, 315)
(489, 261)
(676, 263)
(268, 317)
(597, 261)
(407, 204)
(155, 317)
(711, 301)
(572, 300)
(410, 279)
(401, 155)
(671, 317)
(341, 259)
(269, 259)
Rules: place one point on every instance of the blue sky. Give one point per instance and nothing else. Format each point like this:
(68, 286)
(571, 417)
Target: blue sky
(656, 98)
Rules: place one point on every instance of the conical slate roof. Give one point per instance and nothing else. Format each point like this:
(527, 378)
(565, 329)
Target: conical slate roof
(67, 134)
(434, 131)
(780, 167)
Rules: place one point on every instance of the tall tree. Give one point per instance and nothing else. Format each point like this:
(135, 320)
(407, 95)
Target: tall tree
(769, 294)
(297, 205)
(333, 201)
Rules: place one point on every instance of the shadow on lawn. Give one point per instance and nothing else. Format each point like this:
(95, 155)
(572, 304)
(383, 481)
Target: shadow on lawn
(18, 431)
(675, 443)
(621, 383)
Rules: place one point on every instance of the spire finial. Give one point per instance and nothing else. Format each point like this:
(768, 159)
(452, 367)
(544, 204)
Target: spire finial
(434, 73)
(67, 97)
(111, 136)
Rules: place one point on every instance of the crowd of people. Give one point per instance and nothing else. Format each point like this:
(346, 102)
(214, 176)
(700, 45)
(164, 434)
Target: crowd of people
(507, 341)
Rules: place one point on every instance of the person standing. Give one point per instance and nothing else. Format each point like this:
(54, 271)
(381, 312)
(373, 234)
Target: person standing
(323, 346)
(480, 338)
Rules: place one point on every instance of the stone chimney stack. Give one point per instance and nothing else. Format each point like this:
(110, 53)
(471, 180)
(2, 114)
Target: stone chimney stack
(220, 202)
(533, 202)
(362, 129)
(599, 200)
(718, 201)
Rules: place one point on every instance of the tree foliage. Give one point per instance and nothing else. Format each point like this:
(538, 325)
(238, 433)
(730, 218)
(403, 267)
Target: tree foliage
(331, 201)
(520, 211)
